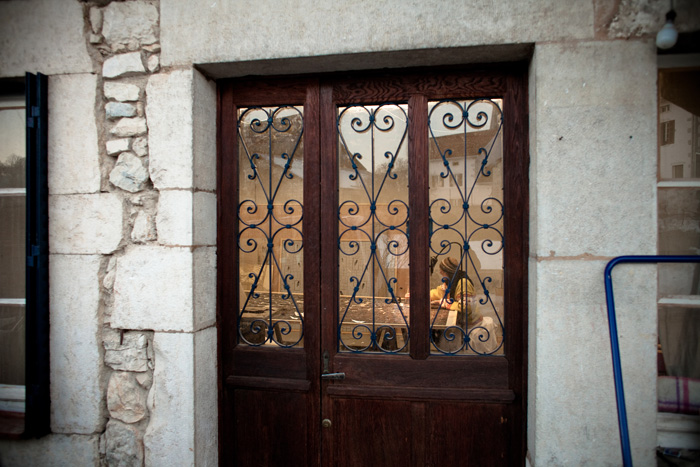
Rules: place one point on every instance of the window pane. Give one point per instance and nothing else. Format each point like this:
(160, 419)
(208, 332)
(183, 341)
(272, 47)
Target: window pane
(12, 250)
(12, 329)
(466, 226)
(12, 160)
(373, 228)
(270, 210)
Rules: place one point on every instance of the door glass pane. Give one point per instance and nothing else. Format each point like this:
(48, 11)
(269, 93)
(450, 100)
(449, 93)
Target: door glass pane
(373, 228)
(270, 212)
(466, 226)
(12, 248)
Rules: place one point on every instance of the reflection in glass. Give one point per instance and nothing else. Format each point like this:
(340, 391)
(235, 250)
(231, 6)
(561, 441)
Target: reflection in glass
(12, 253)
(466, 226)
(270, 214)
(373, 228)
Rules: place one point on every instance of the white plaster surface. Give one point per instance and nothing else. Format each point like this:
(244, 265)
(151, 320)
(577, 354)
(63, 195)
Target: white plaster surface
(170, 436)
(76, 363)
(174, 218)
(307, 27)
(85, 224)
(134, 21)
(73, 151)
(595, 157)
(205, 398)
(574, 420)
(42, 36)
(153, 289)
(55, 450)
(204, 287)
(170, 120)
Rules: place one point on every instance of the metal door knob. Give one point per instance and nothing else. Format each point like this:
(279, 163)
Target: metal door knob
(326, 423)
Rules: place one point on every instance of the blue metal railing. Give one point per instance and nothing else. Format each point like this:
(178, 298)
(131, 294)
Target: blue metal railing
(614, 344)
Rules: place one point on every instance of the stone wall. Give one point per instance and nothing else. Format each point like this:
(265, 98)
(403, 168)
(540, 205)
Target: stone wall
(132, 178)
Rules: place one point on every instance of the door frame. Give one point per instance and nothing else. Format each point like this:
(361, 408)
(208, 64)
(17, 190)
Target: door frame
(516, 230)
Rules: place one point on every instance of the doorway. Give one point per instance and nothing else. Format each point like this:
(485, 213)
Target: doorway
(372, 251)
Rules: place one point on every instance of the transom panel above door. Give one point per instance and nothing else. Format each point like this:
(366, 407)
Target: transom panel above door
(371, 268)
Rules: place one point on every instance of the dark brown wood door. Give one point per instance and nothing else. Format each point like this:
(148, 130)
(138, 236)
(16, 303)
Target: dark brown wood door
(372, 269)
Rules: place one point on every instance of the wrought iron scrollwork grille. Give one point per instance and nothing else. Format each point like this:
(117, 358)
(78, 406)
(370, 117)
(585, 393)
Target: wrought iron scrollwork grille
(463, 135)
(270, 216)
(373, 220)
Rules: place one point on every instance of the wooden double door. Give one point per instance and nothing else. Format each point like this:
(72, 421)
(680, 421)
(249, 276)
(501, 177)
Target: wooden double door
(372, 245)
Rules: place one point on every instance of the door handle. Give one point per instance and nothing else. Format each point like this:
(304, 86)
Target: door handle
(333, 376)
(326, 372)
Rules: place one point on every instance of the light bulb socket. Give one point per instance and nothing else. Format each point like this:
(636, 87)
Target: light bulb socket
(671, 15)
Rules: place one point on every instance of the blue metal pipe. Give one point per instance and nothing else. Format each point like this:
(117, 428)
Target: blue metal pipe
(614, 343)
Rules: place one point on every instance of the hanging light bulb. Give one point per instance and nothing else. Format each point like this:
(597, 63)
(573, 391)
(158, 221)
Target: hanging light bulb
(667, 36)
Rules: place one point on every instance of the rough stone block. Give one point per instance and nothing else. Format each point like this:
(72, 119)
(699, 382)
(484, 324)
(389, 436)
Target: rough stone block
(128, 355)
(170, 436)
(126, 399)
(153, 289)
(175, 217)
(73, 151)
(122, 92)
(129, 173)
(169, 113)
(116, 146)
(144, 229)
(85, 224)
(129, 127)
(76, 363)
(119, 109)
(59, 49)
(123, 444)
(141, 146)
(153, 63)
(125, 22)
(123, 64)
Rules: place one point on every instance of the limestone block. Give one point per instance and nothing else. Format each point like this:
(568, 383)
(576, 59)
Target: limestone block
(140, 146)
(153, 289)
(128, 353)
(575, 419)
(170, 436)
(144, 229)
(123, 445)
(59, 49)
(595, 158)
(122, 92)
(54, 450)
(206, 408)
(175, 217)
(130, 21)
(130, 127)
(129, 173)
(204, 218)
(119, 109)
(348, 27)
(204, 287)
(123, 64)
(73, 150)
(85, 224)
(169, 113)
(116, 146)
(205, 122)
(76, 364)
(126, 399)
